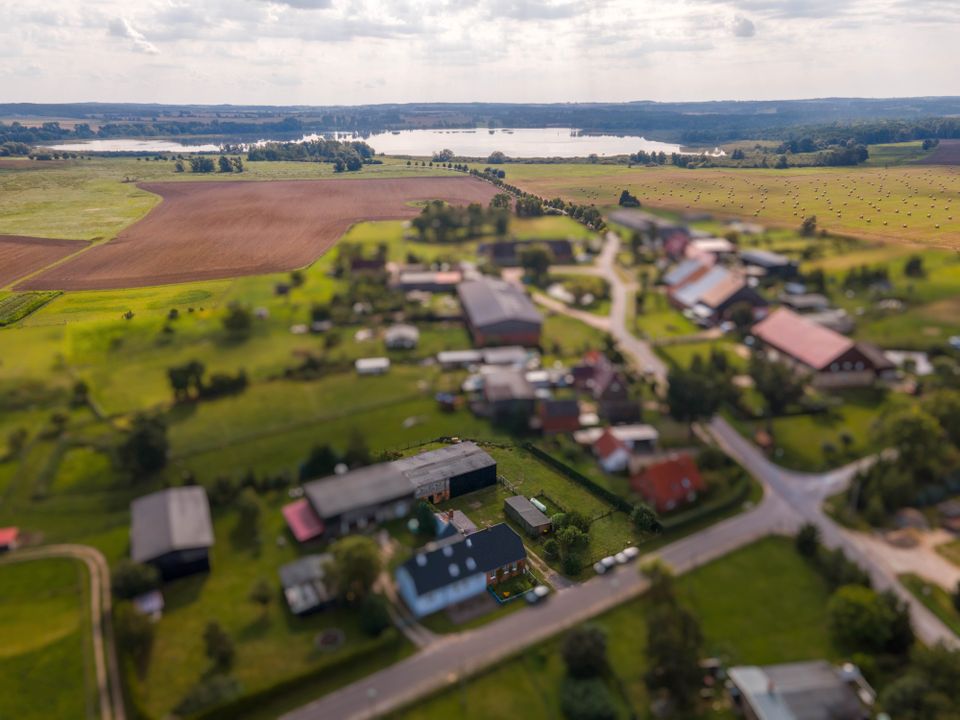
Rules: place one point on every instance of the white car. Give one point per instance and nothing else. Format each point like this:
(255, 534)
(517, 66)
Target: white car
(631, 552)
(621, 558)
(609, 562)
(599, 568)
(537, 594)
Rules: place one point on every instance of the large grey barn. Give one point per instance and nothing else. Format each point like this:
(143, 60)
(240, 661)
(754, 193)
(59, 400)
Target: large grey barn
(171, 530)
(499, 313)
(367, 496)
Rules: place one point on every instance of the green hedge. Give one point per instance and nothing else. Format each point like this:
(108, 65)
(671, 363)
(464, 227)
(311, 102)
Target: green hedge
(246, 703)
(611, 498)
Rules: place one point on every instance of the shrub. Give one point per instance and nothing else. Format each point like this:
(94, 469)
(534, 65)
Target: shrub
(374, 615)
(584, 651)
(808, 540)
(135, 632)
(552, 550)
(586, 700)
(130, 579)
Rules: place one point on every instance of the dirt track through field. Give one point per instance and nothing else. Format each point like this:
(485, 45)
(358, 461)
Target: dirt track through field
(209, 230)
(20, 256)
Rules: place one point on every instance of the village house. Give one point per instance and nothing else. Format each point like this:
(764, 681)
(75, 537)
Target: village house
(669, 484)
(431, 281)
(508, 395)
(372, 366)
(499, 313)
(365, 497)
(459, 570)
(831, 359)
(559, 416)
(528, 516)
(771, 264)
(612, 453)
(607, 386)
(9, 539)
(710, 293)
(639, 438)
(171, 530)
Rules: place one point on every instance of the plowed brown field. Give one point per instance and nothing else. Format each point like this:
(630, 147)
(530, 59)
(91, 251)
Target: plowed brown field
(21, 256)
(947, 152)
(207, 230)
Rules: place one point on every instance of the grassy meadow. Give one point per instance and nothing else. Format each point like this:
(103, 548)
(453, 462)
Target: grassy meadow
(909, 204)
(46, 657)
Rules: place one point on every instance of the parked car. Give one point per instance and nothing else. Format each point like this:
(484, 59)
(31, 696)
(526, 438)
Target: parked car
(631, 552)
(609, 562)
(621, 558)
(539, 593)
(599, 568)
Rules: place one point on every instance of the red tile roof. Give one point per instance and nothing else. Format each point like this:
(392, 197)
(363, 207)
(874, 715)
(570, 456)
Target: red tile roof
(802, 339)
(670, 483)
(303, 522)
(607, 444)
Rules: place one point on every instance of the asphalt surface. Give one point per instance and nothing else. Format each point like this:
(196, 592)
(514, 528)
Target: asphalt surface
(104, 650)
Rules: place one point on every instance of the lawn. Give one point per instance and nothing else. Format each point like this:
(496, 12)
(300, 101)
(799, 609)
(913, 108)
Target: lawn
(682, 354)
(851, 201)
(935, 598)
(46, 657)
(814, 442)
(567, 339)
(660, 320)
(741, 612)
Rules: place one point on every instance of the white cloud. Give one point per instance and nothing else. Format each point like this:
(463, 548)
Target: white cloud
(121, 27)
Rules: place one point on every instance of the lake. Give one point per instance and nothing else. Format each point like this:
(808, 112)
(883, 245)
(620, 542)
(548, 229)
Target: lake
(518, 143)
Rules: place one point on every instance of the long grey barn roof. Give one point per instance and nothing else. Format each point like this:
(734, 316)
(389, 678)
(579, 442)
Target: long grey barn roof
(488, 301)
(527, 510)
(444, 463)
(169, 520)
(363, 487)
(482, 551)
(385, 482)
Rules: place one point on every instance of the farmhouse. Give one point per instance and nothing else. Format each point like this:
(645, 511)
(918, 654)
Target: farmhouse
(507, 253)
(306, 585)
(832, 359)
(457, 359)
(681, 272)
(710, 294)
(527, 515)
(171, 530)
(605, 383)
(800, 691)
(772, 264)
(559, 416)
(459, 570)
(638, 438)
(365, 497)
(612, 453)
(805, 302)
(508, 395)
(499, 313)
(669, 484)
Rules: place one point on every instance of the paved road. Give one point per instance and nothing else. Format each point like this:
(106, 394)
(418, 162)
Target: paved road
(805, 493)
(104, 649)
(640, 353)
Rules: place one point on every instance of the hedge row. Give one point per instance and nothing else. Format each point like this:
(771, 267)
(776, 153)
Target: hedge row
(736, 497)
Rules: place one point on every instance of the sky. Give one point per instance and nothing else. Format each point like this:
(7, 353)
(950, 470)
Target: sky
(323, 52)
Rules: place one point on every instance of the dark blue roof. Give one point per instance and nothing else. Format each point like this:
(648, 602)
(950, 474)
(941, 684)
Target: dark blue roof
(482, 551)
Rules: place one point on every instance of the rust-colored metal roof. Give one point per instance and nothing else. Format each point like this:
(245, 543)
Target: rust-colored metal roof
(801, 339)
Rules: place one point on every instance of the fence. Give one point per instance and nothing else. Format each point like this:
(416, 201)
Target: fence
(582, 480)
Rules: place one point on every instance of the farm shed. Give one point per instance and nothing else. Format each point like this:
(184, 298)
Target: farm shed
(171, 530)
(526, 515)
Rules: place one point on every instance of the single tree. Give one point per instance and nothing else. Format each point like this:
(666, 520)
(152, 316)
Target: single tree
(261, 594)
(219, 645)
(144, 449)
(808, 540)
(130, 579)
(584, 651)
(645, 519)
(356, 566)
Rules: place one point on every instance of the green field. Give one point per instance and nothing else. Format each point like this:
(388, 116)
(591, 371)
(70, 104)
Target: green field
(46, 656)
(660, 320)
(951, 551)
(741, 611)
(861, 201)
